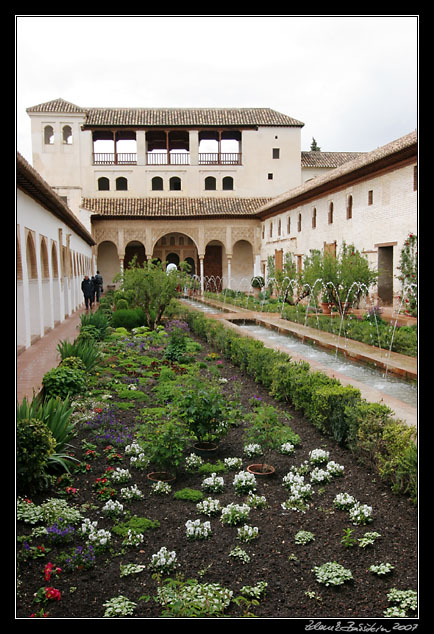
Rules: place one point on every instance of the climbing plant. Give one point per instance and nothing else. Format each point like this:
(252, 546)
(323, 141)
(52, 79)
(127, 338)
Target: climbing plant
(408, 274)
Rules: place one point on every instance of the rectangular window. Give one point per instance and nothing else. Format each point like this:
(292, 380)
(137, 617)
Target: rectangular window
(370, 197)
(276, 152)
(270, 177)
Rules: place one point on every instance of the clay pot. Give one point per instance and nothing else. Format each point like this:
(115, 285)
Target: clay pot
(160, 476)
(326, 308)
(205, 447)
(261, 469)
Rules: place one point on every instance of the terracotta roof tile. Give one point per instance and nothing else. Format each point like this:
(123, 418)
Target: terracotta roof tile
(327, 159)
(158, 117)
(173, 207)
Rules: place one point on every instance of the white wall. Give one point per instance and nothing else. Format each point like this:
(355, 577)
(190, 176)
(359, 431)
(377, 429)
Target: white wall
(43, 301)
(388, 220)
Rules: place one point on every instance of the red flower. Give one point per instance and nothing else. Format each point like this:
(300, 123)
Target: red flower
(52, 593)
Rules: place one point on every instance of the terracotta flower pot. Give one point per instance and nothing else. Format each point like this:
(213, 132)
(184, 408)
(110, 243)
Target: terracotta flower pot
(205, 447)
(160, 476)
(326, 308)
(261, 469)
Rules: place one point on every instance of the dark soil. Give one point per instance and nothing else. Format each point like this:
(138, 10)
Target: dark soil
(275, 557)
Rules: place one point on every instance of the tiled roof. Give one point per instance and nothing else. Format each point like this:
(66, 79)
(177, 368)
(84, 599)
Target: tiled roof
(158, 117)
(327, 159)
(173, 207)
(403, 147)
(57, 105)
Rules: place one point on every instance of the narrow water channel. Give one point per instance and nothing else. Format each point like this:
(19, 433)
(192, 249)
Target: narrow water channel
(375, 378)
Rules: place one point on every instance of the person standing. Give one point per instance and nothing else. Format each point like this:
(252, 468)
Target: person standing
(98, 285)
(88, 291)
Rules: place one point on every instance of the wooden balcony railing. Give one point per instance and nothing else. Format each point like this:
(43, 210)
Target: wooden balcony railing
(220, 158)
(171, 158)
(165, 158)
(114, 158)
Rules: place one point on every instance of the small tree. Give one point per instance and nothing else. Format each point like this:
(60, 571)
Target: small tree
(152, 287)
(344, 279)
(408, 273)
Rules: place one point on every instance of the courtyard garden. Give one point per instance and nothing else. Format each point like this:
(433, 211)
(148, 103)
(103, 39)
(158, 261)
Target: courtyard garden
(173, 468)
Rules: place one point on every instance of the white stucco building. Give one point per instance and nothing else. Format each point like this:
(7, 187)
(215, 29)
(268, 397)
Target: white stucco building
(53, 252)
(222, 188)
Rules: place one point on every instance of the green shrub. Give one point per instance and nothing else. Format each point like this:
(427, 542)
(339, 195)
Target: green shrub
(73, 362)
(121, 304)
(329, 407)
(135, 524)
(56, 414)
(84, 349)
(128, 318)
(99, 319)
(35, 444)
(386, 445)
(63, 381)
(191, 495)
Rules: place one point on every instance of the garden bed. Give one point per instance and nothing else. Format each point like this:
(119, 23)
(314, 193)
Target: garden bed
(275, 557)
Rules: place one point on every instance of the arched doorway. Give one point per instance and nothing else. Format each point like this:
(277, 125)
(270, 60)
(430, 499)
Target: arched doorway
(242, 265)
(134, 249)
(213, 266)
(175, 248)
(108, 262)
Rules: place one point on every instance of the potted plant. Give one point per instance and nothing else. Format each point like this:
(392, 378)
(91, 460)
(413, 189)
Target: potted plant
(267, 430)
(258, 284)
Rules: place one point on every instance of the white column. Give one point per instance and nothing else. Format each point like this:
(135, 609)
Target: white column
(201, 257)
(229, 260)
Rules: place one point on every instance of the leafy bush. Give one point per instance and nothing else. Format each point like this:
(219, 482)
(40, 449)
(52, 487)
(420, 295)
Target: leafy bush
(329, 407)
(98, 319)
(63, 381)
(56, 414)
(121, 304)
(35, 444)
(128, 318)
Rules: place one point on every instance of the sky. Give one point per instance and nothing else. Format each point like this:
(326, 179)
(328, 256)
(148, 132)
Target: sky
(352, 80)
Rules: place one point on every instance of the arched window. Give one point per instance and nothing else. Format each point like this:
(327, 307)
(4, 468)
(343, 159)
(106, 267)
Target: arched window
(121, 184)
(103, 184)
(175, 183)
(210, 183)
(314, 218)
(44, 259)
(279, 227)
(157, 184)
(54, 261)
(67, 134)
(228, 182)
(299, 222)
(32, 270)
(48, 135)
(288, 226)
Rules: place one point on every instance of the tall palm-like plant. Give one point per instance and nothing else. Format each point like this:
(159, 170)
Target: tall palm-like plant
(56, 414)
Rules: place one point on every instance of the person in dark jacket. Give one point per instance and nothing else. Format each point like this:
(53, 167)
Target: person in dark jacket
(88, 291)
(98, 281)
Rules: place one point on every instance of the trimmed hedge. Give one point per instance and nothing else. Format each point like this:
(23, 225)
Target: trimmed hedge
(369, 430)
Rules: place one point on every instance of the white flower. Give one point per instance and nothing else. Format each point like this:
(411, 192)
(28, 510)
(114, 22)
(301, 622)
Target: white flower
(318, 456)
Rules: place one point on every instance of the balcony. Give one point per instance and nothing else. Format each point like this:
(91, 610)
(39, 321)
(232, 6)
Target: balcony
(220, 158)
(110, 158)
(167, 158)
